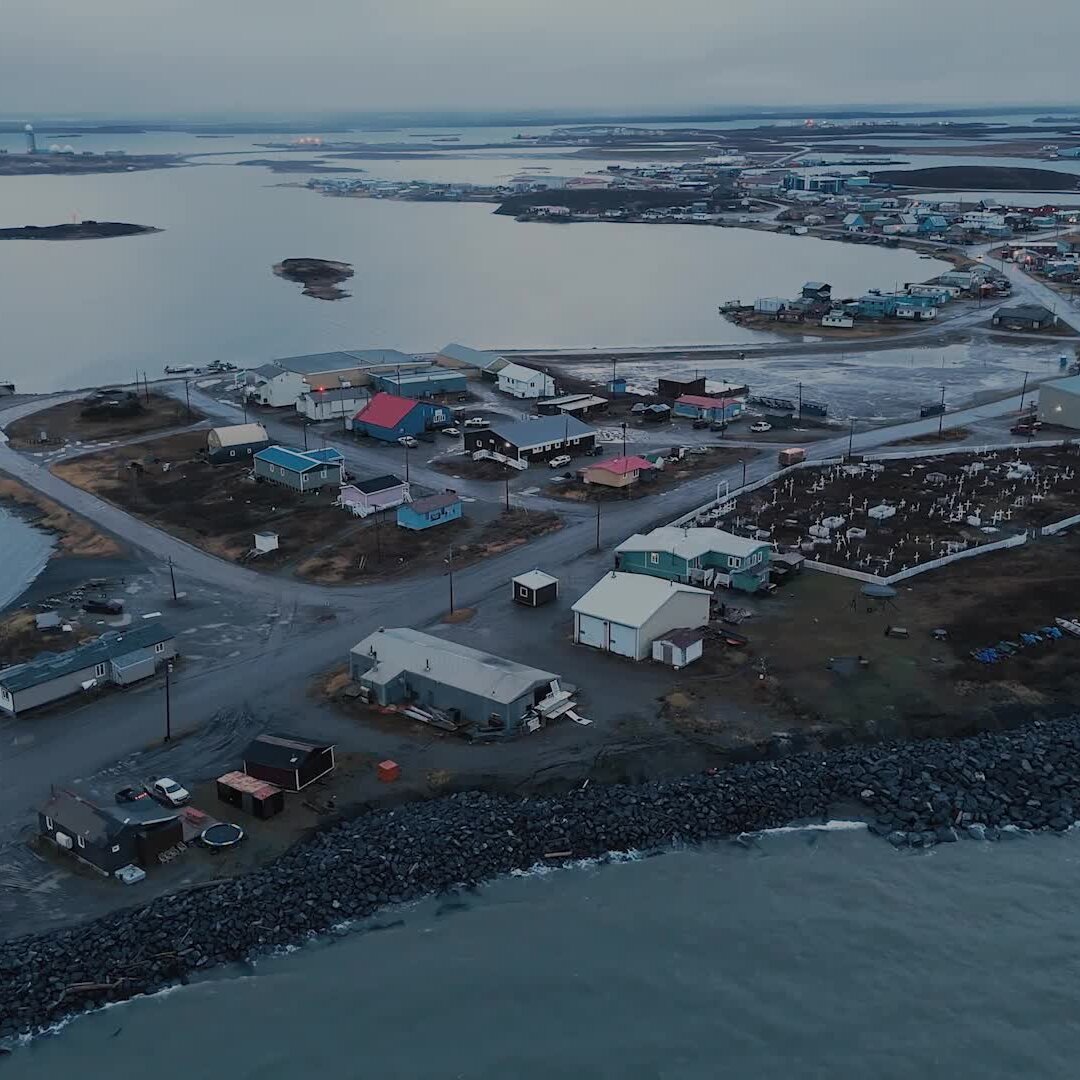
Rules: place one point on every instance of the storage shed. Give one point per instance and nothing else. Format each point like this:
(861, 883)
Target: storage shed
(249, 793)
(674, 386)
(535, 588)
(289, 761)
(626, 613)
(679, 647)
(235, 442)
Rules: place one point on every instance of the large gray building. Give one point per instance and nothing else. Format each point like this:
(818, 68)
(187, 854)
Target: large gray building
(116, 658)
(487, 693)
(1059, 402)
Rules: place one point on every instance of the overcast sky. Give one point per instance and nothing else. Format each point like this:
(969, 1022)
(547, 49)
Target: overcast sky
(176, 56)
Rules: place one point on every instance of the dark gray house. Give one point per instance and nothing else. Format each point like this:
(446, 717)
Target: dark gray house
(235, 442)
(488, 693)
(288, 761)
(114, 658)
(533, 440)
(1024, 317)
(107, 835)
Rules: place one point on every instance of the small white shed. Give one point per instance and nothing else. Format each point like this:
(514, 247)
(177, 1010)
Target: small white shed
(679, 647)
(266, 542)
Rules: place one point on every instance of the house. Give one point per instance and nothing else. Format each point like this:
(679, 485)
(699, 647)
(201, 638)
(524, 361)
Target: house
(817, 290)
(375, 493)
(706, 557)
(250, 794)
(471, 360)
(875, 306)
(679, 647)
(1059, 402)
(106, 835)
(763, 305)
(1024, 317)
(236, 442)
(117, 658)
(281, 384)
(918, 312)
(428, 512)
(388, 418)
(338, 402)
(617, 472)
(838, 319)
(532, 440)
(290, 762)
(301, 470)
(490, 694)
(425, 382)
(573, 405)
(855, 223)
(670, 387)
(625, 613)
(707, 408)
(523, 382)
(534, 588)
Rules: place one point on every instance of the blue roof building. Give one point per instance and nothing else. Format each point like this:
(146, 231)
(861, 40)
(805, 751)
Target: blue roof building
(427, 382)
(301, 470)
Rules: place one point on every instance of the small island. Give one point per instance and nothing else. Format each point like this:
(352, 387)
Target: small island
(320, 277)
(83, 230)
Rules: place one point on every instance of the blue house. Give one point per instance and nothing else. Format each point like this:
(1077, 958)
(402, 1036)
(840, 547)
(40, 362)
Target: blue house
(702, 557)
(427, 513)
(875, 306)
(301, 470)
(707, 408)
(388, 417)
(855, 223)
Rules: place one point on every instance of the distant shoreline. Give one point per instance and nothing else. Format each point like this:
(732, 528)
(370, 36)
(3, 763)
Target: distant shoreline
(83, 230)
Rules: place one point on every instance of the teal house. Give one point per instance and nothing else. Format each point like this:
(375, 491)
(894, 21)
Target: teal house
(702, 557)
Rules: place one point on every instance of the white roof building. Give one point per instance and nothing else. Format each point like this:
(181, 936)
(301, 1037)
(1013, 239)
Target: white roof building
(691, 543)
(625, 613)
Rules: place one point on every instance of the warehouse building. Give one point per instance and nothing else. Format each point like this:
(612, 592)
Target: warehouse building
(625, 613)
(1024, 317)
(117, 659)
(399, 666)
(671, 387)
(1059, 403)
(425, 382)
(236, 442)
(473, 361)
(332, 404)
(388, 417)
(533, 440)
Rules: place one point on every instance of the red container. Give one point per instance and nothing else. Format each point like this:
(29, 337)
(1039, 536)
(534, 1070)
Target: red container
(388, 771)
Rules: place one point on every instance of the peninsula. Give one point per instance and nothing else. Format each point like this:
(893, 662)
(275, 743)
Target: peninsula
(321, 278)
(82, 230)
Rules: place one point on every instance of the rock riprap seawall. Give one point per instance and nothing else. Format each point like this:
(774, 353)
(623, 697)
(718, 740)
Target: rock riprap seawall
(913, 793)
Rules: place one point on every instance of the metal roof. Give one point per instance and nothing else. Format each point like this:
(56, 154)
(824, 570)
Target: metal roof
(100, 824)
(463, 354)
(337, 393)
(622, 465)
(691, 543)
(374, 484)
(402, 649)
(433, 502)
(269, 371)
(705, 402)
(1070, 385)
(520, 372)
(240, 434)
(1024, 311)
(817, 286)
(385, 410)
(434, 374)
(526, 434)
(343, 360)
(132, 659)
(279, 750)
(631, 599)
(49, 666)
(299, 460)
(683, 638)
(535, 579)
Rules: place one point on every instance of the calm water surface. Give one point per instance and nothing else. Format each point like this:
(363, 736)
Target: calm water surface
(806, 955)
(24, 551)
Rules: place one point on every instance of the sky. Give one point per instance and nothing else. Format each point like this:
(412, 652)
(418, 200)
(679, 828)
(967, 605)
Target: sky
(181, 57)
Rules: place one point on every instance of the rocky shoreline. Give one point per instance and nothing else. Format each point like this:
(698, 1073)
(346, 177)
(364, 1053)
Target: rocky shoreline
(913, 794)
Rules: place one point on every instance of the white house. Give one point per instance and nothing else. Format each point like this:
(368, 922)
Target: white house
(839, 319)
(625, 613)
(332, 404)
(523, 382)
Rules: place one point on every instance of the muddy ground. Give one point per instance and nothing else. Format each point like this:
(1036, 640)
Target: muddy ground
(20, 639)
(381, 549)
(65, 423)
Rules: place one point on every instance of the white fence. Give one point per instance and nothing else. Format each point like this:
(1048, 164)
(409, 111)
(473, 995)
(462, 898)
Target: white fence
(1060, 526)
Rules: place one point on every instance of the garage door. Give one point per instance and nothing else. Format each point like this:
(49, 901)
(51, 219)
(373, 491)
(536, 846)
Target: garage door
(622, 640)
(592, 631)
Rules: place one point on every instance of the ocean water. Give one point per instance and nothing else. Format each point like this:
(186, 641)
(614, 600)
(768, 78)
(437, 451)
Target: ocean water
(83, 312)
(24, 551)
(810, 954)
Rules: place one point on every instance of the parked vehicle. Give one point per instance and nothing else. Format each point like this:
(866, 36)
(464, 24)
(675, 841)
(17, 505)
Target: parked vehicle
(560, 461)
(131, 794)
(477, 421)
(791, 456)
(103, 606)
(169, 792)
(718, 425)
(594, 451)
(760, 426)
(1026, 427)
(453, 432)
(408, 442)
(700, 423)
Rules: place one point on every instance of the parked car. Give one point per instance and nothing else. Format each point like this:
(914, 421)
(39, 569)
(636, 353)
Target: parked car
(594, 451)
(104, 606)
(453, 432)
(131, 794)
(718, 425)
(477, 421)
(169, 792)
(760, 426)
(409, 442)
(697, 450)
(1026, 427)
(639, 408)
(699, 423)
(560, 461)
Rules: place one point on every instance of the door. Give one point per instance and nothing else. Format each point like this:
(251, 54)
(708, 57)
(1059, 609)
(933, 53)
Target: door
(622, 640)
(591, 631)
(667, 653)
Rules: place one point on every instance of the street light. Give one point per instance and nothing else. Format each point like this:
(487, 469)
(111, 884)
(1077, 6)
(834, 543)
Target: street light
(168, 702)
(450, 571)
(742, 462)
(941, 415)
(406, 463)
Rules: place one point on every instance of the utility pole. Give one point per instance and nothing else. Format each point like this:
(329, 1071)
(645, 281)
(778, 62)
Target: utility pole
(598, 523)
(624, 438)
(303, 424)
(378, 538)
(1023, 391)
(742, 462)
(406, 463)
(187, 395)
(244, 401)
(168, 702)
(172, 577)
(800, 403)
(508, 492)
(450, 566)
(941, 415)
(851, 437)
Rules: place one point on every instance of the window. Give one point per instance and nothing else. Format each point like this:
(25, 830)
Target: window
(654, 557)
(116, 849)
(159, 647)
(81, 842)
(232, 453)
(522, 591)
(734, 563)
(48, 823)
(99, 671)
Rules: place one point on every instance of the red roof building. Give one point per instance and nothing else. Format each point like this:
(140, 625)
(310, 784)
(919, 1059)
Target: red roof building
(618, 472)
(389, 417)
